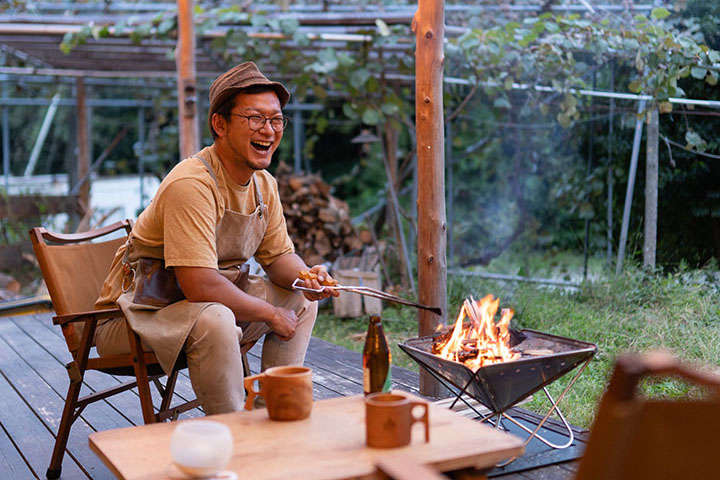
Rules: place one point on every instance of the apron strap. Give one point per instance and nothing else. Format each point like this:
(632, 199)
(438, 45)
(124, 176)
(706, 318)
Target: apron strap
(258, 194)
(209, 168)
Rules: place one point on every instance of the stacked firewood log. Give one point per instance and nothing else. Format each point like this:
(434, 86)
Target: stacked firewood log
(318, 223)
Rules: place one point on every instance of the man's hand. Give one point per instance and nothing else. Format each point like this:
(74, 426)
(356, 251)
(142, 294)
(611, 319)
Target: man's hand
(319, 278)
(283, 323)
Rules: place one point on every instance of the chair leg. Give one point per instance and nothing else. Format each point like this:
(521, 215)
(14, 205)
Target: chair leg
(143, 382)
(61, 439)
(169, 390)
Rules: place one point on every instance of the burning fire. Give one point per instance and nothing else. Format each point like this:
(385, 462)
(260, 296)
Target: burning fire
(481, 341)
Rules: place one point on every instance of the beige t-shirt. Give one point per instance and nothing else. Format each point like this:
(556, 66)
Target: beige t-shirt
(183, 216)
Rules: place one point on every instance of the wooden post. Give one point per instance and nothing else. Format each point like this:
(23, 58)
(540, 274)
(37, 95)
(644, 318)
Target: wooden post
(187, 88)
(429, 28)
(83, 159)
(651, 189)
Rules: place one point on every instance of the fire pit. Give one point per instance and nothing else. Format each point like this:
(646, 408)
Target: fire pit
(499, 366)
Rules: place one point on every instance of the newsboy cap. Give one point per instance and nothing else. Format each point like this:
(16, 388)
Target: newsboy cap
(237, 79)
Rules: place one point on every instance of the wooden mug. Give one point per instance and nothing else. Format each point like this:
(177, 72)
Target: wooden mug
(389, 419)
(287, 392)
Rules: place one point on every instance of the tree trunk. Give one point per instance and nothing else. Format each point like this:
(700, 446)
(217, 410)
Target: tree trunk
(429, 28)
(187, 90)
(651, 191)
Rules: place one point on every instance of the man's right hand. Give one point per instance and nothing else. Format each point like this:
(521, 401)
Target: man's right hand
(283, 323)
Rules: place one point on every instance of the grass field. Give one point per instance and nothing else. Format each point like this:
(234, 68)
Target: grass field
(634, 312)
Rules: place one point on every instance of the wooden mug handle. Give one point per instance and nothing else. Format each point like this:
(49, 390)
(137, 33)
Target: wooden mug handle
(424, 418)
(251, 392)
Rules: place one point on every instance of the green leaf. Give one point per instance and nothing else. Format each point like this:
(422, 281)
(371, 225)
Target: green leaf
(67, 43)
(712, 79)
(659, 13)
(359, 77)
(390, 109)
(301, 38)
(258, 20)
(371, 116)
(564, 119)
(714, 56)
(344, 59)
(349, 111)
(698, 72)
(665, 107)
(528, 39)
(383, 29)
(634, 86)
(289, 26)
(693, 138)
(166, 26)
(321, 124)
(639, 62)
(508, 83)
(510, 27)
(502, 102)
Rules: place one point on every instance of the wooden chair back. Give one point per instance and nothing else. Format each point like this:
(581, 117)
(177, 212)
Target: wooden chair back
(635, 438)
(75, 266)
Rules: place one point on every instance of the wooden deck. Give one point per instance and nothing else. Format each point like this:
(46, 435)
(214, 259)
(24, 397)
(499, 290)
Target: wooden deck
(33, 383)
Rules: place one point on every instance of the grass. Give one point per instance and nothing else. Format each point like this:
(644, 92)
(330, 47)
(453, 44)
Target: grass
(635, 312)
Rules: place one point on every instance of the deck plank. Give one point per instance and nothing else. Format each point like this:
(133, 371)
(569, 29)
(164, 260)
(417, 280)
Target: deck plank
(20, 417)
(12, 462)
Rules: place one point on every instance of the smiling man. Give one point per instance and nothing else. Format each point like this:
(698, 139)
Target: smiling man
(179, 279)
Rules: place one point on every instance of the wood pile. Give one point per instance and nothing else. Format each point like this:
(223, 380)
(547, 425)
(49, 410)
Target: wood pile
(318, 223)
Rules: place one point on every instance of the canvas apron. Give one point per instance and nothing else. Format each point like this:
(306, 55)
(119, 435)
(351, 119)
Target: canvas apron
(165, 329)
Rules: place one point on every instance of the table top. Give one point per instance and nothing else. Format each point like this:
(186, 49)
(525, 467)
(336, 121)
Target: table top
(328, 445)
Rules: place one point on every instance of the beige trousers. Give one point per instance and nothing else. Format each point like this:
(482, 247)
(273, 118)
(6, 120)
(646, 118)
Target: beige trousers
(213, 347)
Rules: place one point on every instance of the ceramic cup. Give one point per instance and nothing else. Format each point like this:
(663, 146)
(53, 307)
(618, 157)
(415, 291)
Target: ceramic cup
(287, 392)
(201, 448)
(389, 418)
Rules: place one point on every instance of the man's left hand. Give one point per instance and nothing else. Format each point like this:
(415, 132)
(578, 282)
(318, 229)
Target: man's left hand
(323, 277)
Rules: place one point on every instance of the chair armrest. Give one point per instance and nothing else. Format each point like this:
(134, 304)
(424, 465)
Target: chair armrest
(85, 316)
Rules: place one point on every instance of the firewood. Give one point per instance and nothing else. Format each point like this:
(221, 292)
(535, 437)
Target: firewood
(318, 223)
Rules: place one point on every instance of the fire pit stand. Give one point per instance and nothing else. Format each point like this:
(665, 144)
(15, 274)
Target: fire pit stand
(499, 386)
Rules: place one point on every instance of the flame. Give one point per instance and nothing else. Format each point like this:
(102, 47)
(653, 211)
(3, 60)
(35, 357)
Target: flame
(481, 341)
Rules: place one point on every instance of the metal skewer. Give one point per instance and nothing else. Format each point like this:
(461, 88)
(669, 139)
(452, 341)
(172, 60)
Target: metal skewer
(371, 292)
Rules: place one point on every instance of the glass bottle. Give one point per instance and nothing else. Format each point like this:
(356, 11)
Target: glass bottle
(376, 359)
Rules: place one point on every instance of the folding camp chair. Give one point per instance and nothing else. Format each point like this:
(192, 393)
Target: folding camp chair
(637, 438)
(74, 267)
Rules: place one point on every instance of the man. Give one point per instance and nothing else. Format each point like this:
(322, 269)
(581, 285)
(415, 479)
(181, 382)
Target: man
(215, 210)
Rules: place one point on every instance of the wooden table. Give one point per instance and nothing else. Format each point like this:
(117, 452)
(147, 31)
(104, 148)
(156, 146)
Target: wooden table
(328, 445)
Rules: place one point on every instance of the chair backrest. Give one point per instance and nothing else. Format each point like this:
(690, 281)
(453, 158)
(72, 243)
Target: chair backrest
(635, 438)
(75, 266)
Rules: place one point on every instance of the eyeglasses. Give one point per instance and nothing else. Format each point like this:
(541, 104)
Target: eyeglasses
(256, 122)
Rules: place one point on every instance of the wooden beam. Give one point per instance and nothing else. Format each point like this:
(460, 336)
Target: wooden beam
(186, 83)
(429, 28)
